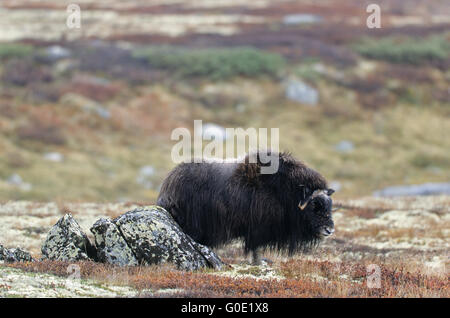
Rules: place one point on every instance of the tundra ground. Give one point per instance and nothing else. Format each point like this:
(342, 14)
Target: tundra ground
(381, 248)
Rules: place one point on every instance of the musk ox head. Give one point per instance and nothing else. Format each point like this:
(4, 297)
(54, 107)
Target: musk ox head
(317, 209)
(299, 193)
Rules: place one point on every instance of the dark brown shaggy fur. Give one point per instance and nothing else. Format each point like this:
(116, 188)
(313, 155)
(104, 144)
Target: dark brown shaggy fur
(217, 202)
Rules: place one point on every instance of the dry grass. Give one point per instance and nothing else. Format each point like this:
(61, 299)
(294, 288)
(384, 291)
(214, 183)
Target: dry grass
(303, 278)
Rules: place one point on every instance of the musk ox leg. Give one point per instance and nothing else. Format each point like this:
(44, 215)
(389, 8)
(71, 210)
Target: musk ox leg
(256, 258)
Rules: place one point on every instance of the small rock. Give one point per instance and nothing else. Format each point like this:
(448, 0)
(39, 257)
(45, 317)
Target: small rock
(144, 177)
(16, 180)
(56, 52)
(54, 156)
(301, 92)
(345, 146)
(103, 112)
(213, 131)
(414, 190)
(301, 18)
(147, 171)
(53, 54)
(66, 241)
(13, 255)
(335, 185)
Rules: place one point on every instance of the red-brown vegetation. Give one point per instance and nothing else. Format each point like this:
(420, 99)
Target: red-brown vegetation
(303, 278)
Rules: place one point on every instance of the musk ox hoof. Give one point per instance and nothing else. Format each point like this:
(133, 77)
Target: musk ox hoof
(261, 262)
(144, 236)
(266, 261)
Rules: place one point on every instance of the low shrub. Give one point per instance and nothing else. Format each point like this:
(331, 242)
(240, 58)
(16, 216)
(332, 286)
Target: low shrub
(303, 278)
(50, 135)
(93, 88)
(214, 63)
(406, 50)
(42, 126)
(8, 50)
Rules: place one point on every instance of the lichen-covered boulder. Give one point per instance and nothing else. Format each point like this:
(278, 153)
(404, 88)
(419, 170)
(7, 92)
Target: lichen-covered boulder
(66, 241)
(111, 245)
(144, 236)
(13, 255)
(154, 238)
(213, 260)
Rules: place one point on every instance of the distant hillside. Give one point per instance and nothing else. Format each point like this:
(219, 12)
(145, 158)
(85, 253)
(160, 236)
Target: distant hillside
(88, 116)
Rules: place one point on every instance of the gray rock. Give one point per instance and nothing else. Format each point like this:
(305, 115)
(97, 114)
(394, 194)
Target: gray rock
(344, 146)
(147, 171)
(144, 236)
(66, 241)
(213, 260)
(103, 112)
(301, 92)
(155, 238)
(13, 255)
(54, 156)
(111, 246)
(17, 181)
(145, 175)
(335, 185)
(56, 52)
(301, 18)
(213, 131)
(414, 190)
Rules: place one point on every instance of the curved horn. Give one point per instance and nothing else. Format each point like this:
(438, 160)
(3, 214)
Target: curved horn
(303, 206)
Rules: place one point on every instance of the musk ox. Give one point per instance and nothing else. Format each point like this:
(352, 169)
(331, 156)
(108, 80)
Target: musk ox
(216, 202)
